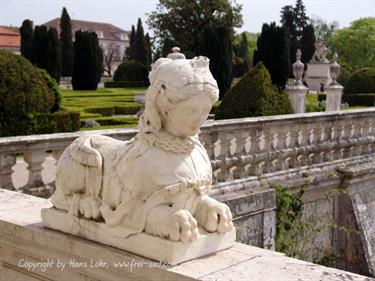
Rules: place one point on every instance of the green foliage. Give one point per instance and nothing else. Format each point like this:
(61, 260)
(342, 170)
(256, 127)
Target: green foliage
(323, 30)
(139, 46)
(307, 43)
(39, 47)
(315, 103)
(360, 99)
(67, 48)
(361, 81)
(273, 51)
(218, 48)
(355, 45)
(289, 210)
(130, 52)
(103, 111)
(181, 23)
(131, 71)
(53, 88)
(253, 95)
(242, 61)
(53, 63)
(294, 19)
(126, 84)
(79, 101)
(26, 32)
(88, 61)
(24, 94)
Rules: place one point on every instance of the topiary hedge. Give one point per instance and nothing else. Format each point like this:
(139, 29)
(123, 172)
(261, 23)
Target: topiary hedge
(127, 84)
(253, 95)
(24, 95)
(131, 71)
(360, 99)
(361, 81)
(53, 88)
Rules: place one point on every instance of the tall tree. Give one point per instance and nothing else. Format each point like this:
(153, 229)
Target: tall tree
(39, 46)
(241, 62)
(355, 46)
(307, 43)
(294, 19)
(182, 22)
(26, 32)
(140, 43)
(273, 51)
(67, 48)
(149, 50)
(88, 61)
(300, 19)
(217, 47)
(131, 49)
(53, 66)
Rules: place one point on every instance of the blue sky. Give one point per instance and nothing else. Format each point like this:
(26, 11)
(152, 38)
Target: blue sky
(124, 13)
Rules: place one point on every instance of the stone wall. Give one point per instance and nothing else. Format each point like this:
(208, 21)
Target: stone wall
(28, 251)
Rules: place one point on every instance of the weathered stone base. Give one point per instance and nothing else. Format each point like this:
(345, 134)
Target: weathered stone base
(143, 244)
(30, 252)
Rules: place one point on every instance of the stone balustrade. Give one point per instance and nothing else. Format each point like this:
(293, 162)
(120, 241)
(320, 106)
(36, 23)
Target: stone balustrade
(238, 148)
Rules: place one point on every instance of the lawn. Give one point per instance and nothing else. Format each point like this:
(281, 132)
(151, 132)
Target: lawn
(110, 107)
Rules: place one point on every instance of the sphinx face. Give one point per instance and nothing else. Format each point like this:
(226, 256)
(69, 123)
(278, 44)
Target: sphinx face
(187, 116)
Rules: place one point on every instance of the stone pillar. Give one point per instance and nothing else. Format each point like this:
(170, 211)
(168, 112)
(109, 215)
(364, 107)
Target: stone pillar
(334, 90)
(297, 91)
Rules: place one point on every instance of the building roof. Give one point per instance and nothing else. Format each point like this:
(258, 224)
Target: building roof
(107, 30)
(9, 37)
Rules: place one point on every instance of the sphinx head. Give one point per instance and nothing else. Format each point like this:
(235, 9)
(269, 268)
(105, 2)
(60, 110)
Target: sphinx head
(180, 96)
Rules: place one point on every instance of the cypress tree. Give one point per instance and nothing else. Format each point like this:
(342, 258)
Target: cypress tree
(149, 51)
(294, 19)
(130, 51)
(67, 48)
(39, 46)
(26, 32)
(217, 46)
(88, 61)
(244, 53)
(53, 55)
(140, 44)
(273, 51)
(307, 43)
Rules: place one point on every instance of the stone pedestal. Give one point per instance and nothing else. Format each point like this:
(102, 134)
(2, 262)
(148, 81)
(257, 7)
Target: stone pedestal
(317, 74)
(297, 97)
(31, 252)
(334, 96)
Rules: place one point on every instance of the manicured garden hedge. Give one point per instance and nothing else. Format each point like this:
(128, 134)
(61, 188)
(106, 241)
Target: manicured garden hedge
(360, 99)
(127, 84)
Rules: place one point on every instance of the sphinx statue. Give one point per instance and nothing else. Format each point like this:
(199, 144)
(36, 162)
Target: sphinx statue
(155, 184)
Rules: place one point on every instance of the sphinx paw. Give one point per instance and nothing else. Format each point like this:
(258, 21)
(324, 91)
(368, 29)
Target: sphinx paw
(183, 227)
(89, 208)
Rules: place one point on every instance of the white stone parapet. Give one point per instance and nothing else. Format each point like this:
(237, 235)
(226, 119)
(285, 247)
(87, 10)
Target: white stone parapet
(31, 252)
(238, 148)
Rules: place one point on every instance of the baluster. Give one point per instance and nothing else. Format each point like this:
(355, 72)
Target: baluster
(224, 148)
(294, 145)
(7, 161)
(240, 152)
(56, 153)
(347, 138)
(267, 149)
(303, 144)
(255, 134)
(281, 146)
(34, 159)
(356, 137)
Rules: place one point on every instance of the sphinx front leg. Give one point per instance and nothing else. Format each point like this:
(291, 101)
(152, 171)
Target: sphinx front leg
(176, 225)
(213, 215)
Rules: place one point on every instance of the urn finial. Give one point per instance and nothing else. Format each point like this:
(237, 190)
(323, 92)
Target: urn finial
(176, 55)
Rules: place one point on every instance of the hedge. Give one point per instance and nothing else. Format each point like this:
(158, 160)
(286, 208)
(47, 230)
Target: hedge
(362, 81)
(127, 84)
(116, 110)
(360, 99)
